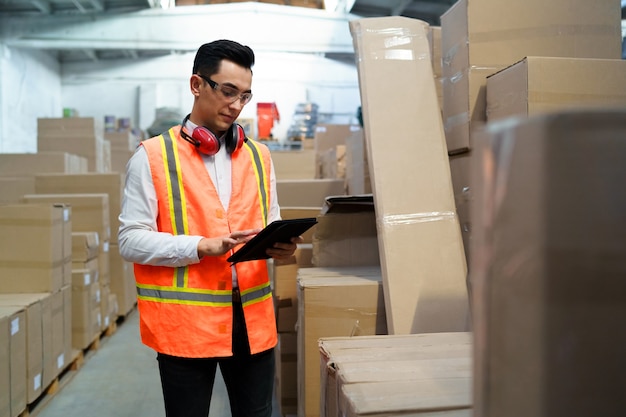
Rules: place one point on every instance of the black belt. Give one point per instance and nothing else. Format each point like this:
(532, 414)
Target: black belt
(236, 295)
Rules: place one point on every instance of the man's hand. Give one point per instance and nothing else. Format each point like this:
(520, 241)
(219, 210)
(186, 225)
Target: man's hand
(217, 246)
(284, 250)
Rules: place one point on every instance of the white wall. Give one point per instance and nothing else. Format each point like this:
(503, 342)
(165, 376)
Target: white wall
(30, 87)
(137, 88)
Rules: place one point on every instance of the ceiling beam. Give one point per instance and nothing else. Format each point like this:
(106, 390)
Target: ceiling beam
(310, 30)
(397, 10)
(79, 6)
(97, 5)
(42, 5)
(91, 54)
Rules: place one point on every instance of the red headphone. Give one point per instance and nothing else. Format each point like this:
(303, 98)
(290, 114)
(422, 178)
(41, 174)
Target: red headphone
(206, 142)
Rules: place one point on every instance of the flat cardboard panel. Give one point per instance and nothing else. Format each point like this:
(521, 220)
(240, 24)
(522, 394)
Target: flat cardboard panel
(89, 183)
(5, 363)
(85, 246)
(357, 169)
(539, 85)
(480, 38)
(13, 188)
(420, 244)
(347, 304)
(547, 266)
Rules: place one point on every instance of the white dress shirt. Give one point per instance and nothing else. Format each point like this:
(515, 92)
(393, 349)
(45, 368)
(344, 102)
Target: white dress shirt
(139, 240)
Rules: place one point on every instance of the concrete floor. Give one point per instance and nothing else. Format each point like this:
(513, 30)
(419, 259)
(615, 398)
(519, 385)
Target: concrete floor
(120, 379)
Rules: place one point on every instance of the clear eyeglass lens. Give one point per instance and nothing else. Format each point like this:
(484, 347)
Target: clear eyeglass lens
(233, 94)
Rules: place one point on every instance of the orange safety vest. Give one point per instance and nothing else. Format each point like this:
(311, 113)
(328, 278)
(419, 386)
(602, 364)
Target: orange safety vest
(187, 311)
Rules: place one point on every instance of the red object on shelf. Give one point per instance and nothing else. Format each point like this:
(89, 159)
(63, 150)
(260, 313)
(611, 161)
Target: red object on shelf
(267, 114)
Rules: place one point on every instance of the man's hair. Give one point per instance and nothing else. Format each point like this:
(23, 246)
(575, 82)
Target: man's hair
(210, 55)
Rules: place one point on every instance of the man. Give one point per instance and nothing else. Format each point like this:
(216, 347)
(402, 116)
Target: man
(192, 195)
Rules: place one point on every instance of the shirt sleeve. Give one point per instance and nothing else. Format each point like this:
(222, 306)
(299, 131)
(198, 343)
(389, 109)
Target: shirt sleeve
(139, 239)
(274, 212)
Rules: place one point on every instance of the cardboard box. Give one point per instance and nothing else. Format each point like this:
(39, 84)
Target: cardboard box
(90, 212)
(332, 163)
(290, 212)
(85, 308)
(32, 305)
(420, 244)
(307, 193)
(29, 164)
(15, 334)
(480, 38)
(287, 373)
(294, 165)
(32, 247)
(537, 85)
(85, 246)
(460, 173)
(13, 188)
(547, 266)
(434, 36)
(5, 363)
(89, 183)
(345, 234)
(348, 360)
(333, 302)
(357, 169)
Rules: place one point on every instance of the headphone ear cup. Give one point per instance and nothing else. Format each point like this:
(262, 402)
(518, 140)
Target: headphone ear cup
(206, 141)
(235, 138)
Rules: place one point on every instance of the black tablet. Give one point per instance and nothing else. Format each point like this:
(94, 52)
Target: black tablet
(277, 231)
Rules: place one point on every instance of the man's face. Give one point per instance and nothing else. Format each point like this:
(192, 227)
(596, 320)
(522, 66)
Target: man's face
(217, 108)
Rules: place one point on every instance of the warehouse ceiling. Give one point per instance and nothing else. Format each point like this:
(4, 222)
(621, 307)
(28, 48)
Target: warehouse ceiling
(38, 23)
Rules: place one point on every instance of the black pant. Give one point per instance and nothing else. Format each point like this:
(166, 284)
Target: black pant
(188, 383)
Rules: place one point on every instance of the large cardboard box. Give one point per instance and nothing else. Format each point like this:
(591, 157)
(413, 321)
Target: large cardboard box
(333, 302)
(549, 293)
(89, 183)
(436, 60)
(82, 136)
(32, 305)
(90, 212)
(15, 333)
(421, 249)
(537, 85)
(86, 314)
(481, 37)
(33, 247)
(307, 193)
(345, 235)
(294, 164)
(349, 360)
(28, 164)
(13, 188)
(85, 246)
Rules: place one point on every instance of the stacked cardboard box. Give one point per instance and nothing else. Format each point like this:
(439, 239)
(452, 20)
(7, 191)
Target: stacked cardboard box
(123, 145)
(82, 136)
(439, 364)
(549, 293)
(333, 301)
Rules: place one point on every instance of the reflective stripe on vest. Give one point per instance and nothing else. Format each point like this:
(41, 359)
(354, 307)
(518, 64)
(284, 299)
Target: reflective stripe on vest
(179, 292)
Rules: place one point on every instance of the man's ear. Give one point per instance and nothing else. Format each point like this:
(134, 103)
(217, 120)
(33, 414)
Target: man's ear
(195, 83)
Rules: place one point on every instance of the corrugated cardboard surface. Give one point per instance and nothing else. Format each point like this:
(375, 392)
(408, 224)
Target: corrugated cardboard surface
(537, 85)
(549, 294)
(419, 237)
(480, 38)
(333, 302)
